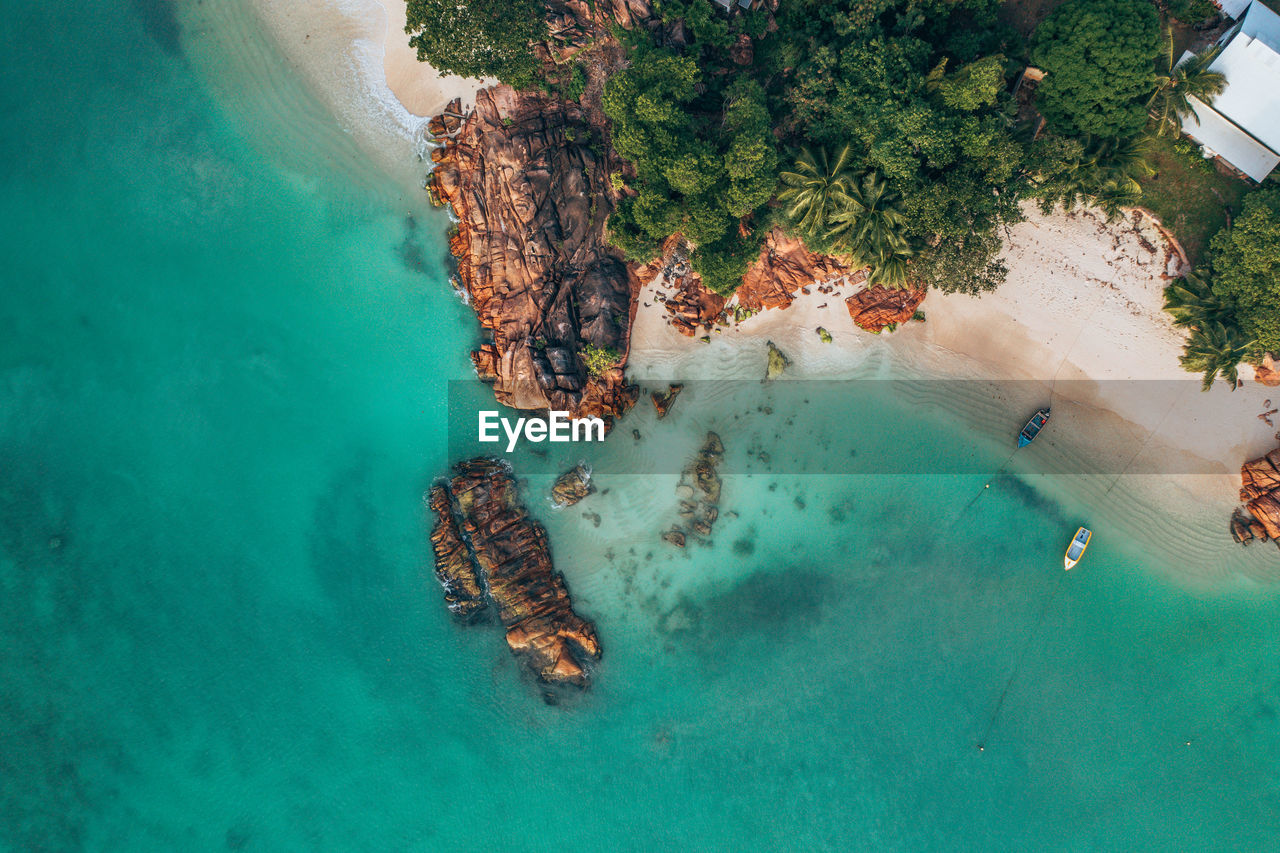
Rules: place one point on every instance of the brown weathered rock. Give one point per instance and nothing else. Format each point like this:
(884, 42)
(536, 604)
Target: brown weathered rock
(528, 180)
(1260, 476)
(1267, 373)
(509, 553)
(692, 307)
(572, 486)
(454, 568)
(577, 24)
(674, 536)
(664, 400)
(784, 267)
(1260, 494)
(876, 308)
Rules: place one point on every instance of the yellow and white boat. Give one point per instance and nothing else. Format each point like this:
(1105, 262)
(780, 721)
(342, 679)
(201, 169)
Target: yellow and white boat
(1076, 549)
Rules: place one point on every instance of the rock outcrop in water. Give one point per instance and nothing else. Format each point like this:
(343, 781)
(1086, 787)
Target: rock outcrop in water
(1260, 494)
(572, 486)
(664, 400)
(527, 177)
(508, 560)
(699, 494)
(455, 569)
(778, 362)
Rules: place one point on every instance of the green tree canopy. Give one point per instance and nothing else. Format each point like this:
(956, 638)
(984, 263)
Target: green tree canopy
(703, 159)
(1245, 258)
(1098, 60)
(479, 38)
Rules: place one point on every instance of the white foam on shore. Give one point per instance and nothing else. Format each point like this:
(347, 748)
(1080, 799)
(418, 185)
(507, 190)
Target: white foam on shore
(337, 47)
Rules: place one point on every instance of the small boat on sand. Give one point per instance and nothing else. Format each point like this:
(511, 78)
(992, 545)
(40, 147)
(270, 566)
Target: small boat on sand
(1033, 427)
(1076, 549)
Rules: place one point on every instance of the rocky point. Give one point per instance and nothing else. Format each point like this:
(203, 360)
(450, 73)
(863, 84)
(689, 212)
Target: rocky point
(490, 552)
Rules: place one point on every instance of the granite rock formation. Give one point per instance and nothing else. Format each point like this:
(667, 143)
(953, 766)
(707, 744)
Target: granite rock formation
(455, 570)
(664, 400)
(877, 308)
(572, 486)
(1267, 372)
(785, 267)
(510, 561)
(1260, 494)
(527, 177)
(575, 25)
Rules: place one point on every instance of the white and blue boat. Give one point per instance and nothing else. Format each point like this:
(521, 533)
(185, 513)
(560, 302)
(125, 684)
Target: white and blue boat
(1033, 427)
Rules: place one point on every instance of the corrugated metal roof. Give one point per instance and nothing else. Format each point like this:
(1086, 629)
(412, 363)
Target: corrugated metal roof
(1263, 23)
(1233, 8)
(1219, 136)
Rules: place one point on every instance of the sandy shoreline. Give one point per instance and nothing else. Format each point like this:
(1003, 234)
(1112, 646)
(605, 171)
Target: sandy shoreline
(355, 57)
(1082, 305)
(422, 89)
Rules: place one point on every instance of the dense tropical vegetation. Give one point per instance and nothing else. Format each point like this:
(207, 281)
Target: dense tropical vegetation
(886, 132)
(1098, 60)
(479, 38)
(1230, 307)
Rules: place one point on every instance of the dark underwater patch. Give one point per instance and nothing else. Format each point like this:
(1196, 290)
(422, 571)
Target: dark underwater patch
(160, 21)
(1030, 497)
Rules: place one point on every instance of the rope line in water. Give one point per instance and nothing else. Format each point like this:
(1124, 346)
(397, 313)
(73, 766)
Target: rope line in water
(1017, 666)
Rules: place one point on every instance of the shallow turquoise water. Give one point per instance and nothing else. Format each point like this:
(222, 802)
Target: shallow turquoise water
(222, 393)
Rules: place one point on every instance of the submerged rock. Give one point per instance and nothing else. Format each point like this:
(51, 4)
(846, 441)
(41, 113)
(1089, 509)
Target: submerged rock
(510, 560)
(572, 486)
(699, 492)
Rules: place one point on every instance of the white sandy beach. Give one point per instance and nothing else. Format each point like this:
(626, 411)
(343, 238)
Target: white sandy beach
(1082, 305)
(422, 89)
(356, 59)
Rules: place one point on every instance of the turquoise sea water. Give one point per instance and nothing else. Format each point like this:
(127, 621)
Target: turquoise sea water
(225, 342)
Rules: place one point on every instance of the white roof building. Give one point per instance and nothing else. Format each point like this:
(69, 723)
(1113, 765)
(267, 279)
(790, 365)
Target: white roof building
(1243, 124)
(1233, 8)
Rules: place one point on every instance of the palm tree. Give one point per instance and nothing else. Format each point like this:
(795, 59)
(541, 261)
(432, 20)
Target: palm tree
(870, 230)
(1105, 174)
(1215, 348)
(1168, 104)
(1192, 302)
(817, 190)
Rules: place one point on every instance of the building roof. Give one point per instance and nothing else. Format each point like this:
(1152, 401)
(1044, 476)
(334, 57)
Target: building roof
(1243, 124)
(1233, 8)
(1224, 139)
